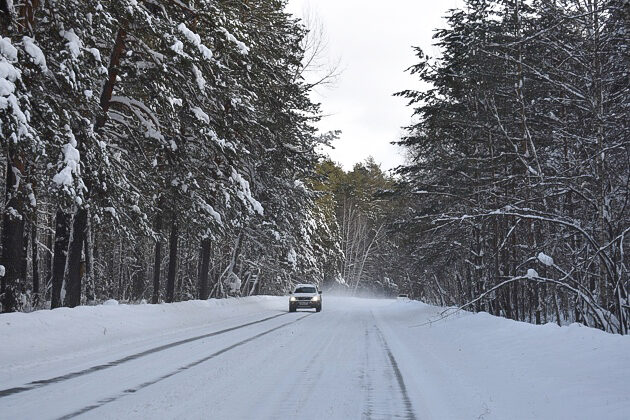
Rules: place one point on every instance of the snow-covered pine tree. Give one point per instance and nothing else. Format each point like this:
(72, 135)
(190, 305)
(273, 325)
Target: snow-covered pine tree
(517, 211)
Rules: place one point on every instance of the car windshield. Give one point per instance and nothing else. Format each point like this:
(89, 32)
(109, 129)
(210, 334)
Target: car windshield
(305, 290)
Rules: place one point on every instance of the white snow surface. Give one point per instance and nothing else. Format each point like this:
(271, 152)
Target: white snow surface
(6, 87)
(96, 53)
(359, 358)
(211, 211)
(201, 116)
(201, 81)
(8, 73)
(243, 49)
(35, 52)
(195, 39)
(74, 42)
(178, 47)
(7, 49)
(245, 193)
(71, 161)
(292, 256)
(545, 259)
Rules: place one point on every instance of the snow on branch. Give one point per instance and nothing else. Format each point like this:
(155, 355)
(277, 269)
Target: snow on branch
(35, 53)
(201, 116)
(240, 45)
(10, 76)
(525, 214)
(195, 39)
(71, 170)
(245, 193)
(532, 276)
(74, 44)
(152, 126)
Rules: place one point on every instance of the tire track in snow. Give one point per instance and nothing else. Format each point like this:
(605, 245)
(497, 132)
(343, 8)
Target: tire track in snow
(306, 380)
(129, 391)
(366, 377)
(409, 413)
(43, 382)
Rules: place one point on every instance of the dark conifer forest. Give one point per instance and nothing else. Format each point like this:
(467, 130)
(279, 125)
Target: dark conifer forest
(155, 150)
(517, 181)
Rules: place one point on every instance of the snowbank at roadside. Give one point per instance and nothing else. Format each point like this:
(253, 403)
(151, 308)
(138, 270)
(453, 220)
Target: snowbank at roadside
(475, 365)
(49, 334)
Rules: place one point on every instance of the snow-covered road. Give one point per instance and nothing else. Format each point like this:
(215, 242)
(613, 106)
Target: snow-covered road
(251, 359)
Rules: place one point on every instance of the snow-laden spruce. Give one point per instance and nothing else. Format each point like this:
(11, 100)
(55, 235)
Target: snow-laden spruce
(149, 136)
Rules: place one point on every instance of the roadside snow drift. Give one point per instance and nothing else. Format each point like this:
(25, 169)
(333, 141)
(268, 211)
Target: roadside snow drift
(36, 338)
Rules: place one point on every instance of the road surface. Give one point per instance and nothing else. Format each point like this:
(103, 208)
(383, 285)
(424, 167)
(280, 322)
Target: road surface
(357, 359)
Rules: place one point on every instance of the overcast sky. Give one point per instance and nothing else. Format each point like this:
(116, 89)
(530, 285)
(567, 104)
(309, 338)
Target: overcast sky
(374, 45)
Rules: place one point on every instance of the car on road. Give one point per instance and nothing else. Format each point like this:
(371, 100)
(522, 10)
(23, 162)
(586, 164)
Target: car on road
(305, 296)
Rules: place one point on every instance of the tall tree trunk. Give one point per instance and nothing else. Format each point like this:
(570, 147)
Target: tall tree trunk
(537, 303)
(77, 238)
(111, 272)
(12, 237)
(157, 260)
(24, 257)
(35, 259)
(112, 75)
(172, 261)
(48, 259)
(62, 236)
(73, 263)
(120, 295)
(13, 245)
(139, 274)
(203, 272)
(229, 271)
(259, 283)
(90, 292)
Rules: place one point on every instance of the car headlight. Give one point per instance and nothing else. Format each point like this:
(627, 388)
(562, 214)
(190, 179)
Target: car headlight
(315, 298)
(292, 299)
